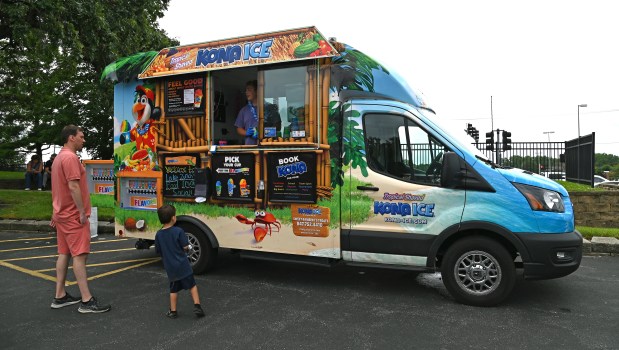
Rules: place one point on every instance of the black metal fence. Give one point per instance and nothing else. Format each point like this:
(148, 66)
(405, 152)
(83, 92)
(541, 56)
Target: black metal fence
(580, 159)
(572, 160)
(544, 158)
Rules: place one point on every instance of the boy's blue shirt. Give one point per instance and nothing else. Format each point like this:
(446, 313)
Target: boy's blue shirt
(169, 244)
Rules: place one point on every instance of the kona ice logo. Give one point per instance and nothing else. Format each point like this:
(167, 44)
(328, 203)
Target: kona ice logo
(229, 54)
(399, 204)
(290, 166)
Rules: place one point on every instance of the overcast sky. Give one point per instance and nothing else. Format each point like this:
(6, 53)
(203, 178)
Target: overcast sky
(538, 59)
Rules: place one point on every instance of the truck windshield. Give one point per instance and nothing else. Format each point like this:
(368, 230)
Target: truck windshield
(455, 130)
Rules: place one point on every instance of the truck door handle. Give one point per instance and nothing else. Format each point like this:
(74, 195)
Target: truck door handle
(367, 188)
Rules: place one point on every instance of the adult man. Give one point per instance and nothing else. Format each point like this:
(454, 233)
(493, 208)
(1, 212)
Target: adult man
(247, 119)
(47, 169)
(71, 202)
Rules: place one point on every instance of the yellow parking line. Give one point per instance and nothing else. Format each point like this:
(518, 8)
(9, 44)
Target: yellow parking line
(56, 255)
(27, 239)
(101, 264)
(29, 272)
(55, 245)
(116, 271)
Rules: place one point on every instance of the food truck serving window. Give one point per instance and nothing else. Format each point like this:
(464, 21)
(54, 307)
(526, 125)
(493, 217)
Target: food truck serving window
(286, 102)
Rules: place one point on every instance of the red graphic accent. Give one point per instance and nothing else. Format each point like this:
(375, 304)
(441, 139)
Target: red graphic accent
(263, 218)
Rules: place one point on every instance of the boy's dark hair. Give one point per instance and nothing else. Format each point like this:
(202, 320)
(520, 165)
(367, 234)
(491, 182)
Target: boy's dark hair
(69, 130)
(253, 83)
(165, 213)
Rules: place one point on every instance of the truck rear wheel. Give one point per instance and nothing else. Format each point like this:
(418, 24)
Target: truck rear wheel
(203, 256)
(478, 271)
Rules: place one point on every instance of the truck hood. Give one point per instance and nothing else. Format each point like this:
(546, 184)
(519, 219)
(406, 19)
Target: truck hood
(529, 178)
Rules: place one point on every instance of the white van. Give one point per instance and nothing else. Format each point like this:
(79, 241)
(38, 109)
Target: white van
(349, 166)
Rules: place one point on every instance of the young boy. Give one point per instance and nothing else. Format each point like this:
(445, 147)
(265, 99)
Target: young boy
(172, 244)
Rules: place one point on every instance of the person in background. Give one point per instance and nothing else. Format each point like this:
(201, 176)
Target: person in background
(172, 244)
(47, 169)
(71, 203)
(247, 121)
(34, 170)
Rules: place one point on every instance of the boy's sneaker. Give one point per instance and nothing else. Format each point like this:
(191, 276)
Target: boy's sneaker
(197, 310)
(92, 306)
(27, 188)
(66, 300)
(172, 314)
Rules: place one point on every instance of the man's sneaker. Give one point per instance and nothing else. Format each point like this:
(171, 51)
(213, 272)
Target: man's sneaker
(92, 306)
(40, 189)
(27, 188)
(172, 314)
(197, 310)
(66, 300)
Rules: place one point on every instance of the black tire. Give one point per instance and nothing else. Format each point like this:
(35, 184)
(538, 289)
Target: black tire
(478, 271)
(204, 256)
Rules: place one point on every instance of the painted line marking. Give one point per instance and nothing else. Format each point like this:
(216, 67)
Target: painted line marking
(71, 283)
(101, 264)
(116, 271)
(29, 272)
(55, 245)
(27, 239)
(56, 255)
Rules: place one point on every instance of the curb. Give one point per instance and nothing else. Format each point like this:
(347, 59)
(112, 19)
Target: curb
(597, 245)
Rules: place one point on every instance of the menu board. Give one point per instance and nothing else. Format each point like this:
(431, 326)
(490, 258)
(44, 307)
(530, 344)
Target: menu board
(292, 177)
(178, 176)
(184, 95)
(233, 176)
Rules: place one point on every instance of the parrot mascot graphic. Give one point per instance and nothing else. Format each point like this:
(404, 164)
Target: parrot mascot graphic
(144, 132)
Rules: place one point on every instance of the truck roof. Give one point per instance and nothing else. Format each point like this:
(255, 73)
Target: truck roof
(351, 69)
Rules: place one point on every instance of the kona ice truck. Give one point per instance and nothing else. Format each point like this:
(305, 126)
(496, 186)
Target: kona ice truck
(349, 165)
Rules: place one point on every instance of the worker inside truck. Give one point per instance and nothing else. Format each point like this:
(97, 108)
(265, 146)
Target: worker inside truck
(283, 93)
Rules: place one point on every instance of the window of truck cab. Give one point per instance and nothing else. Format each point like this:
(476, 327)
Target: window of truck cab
(398, 147)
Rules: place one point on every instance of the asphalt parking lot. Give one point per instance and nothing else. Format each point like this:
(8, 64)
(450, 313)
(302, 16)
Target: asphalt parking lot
(268, 305)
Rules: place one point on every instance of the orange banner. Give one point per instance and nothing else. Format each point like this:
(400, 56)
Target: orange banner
(291, 45)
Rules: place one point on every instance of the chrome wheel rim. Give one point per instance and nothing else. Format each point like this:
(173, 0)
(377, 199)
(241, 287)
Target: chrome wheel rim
(477, 273)
(194, 256)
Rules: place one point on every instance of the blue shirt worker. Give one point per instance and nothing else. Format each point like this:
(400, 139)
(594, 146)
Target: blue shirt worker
(247, 121)
(172, 244)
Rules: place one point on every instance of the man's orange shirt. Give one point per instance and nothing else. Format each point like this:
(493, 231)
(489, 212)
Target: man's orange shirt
(67, 167)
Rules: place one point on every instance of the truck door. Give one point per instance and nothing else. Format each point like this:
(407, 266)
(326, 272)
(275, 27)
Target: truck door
(397, 205)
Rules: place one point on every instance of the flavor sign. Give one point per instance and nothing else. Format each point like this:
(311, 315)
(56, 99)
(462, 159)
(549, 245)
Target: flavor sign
(233, 176)
(185, 96)
(292, 177)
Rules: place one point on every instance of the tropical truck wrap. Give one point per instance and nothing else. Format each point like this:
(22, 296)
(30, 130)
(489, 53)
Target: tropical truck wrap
(350, 165)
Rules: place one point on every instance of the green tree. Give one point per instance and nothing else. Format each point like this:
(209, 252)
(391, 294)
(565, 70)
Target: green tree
(607, 162)
(52, 53)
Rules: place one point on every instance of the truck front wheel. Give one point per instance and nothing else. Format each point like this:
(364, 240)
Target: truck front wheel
(203, 256)
(478, 271)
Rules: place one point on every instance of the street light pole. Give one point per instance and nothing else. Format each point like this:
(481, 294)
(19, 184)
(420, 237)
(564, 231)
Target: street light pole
(548, 133)
(578, 154)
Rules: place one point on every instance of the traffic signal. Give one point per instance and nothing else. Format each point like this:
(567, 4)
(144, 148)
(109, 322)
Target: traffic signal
(475, 135)
(469, 129)
(490, 140)
(507, 141)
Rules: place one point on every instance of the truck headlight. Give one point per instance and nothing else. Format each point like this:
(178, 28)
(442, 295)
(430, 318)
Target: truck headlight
(541, 199)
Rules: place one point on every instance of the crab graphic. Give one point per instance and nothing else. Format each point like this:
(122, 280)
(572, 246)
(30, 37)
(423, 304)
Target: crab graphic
(264, 218)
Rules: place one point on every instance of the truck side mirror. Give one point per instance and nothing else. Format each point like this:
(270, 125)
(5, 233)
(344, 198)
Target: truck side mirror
(453, 171)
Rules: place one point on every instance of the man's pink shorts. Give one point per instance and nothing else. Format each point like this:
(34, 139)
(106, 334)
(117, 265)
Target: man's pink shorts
(73, 237)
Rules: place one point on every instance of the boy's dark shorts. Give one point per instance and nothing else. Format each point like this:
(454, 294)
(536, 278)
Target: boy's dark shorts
(185, 283)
